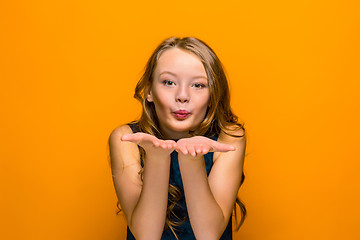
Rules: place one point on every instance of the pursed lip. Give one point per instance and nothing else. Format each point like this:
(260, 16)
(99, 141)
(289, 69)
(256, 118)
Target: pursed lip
(184, 112)
(181, 114)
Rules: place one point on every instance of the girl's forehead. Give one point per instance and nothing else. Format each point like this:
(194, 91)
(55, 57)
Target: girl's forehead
(176, 60)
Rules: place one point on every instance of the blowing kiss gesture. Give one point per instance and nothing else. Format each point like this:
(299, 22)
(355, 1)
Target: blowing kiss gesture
(191, 147)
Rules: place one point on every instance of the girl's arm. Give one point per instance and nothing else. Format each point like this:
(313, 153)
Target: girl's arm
(144, 202)
(210, 200)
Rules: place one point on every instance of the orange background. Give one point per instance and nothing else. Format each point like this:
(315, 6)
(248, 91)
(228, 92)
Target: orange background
(68, 70)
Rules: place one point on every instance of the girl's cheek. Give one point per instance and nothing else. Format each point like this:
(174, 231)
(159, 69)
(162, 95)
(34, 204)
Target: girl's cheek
(163, 100)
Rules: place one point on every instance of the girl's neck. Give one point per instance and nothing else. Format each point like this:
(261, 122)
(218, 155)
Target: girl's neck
(172, 135)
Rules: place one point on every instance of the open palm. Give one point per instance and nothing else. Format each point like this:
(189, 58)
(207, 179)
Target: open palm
(200, 145)
(150, 143)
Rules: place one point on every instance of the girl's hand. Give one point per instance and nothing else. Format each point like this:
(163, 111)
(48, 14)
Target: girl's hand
(150, 143)
(199, 145)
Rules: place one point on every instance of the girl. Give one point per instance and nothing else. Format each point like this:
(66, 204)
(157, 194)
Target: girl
(177, 170)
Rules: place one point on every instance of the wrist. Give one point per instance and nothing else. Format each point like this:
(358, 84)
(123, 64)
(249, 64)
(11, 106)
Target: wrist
(189, 163)
(158, 159)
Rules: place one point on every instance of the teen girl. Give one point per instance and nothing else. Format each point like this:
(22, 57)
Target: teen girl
(177, 170)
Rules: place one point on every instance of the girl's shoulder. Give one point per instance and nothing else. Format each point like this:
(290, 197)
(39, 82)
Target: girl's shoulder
(126, 128)
(232, 134)
(122, 152)
(121, 130)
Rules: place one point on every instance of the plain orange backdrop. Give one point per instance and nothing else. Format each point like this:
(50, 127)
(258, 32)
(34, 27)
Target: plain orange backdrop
(68, 71)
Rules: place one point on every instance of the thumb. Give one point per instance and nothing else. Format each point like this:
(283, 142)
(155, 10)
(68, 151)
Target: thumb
(221, 147)
(126, 137)
(131, 137)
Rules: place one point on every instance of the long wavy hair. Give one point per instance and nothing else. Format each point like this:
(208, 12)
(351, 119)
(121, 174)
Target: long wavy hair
(219, 116)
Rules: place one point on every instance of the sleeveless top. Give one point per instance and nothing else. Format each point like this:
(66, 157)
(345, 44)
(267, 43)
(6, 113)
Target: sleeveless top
(184, 231)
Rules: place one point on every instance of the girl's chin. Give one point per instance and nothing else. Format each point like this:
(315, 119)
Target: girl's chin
(177, 130)
(179, 127)
(180, 130)
(182, 126)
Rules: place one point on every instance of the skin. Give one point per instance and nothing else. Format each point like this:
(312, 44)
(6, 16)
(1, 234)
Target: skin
(209, 199)
(180, 82)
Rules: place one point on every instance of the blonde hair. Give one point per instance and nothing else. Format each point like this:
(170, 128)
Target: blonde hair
(219, 116)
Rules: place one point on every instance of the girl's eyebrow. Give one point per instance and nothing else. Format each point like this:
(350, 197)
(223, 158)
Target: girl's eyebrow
(176, 75)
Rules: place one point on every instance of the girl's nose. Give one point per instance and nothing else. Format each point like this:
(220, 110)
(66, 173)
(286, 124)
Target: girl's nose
(182, 95)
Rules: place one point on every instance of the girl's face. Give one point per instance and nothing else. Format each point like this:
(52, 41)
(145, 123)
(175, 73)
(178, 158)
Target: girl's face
(180, 92)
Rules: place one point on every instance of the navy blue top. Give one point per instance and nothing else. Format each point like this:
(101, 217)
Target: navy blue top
(183, 231)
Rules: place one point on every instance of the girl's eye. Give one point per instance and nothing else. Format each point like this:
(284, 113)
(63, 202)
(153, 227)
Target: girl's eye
(168, 82)
(199, 85)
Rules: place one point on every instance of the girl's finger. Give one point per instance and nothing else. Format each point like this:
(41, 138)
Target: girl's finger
(125, 137)
(130, 137)
(166, 144)
(171, 143)
(206, 149)
(138, 137)
(183, 150)
(191, 150)
(199, 149)
(220, 147)
(156, 143)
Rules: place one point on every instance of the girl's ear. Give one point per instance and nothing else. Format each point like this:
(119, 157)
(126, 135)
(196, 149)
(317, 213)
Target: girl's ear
(149, 97)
